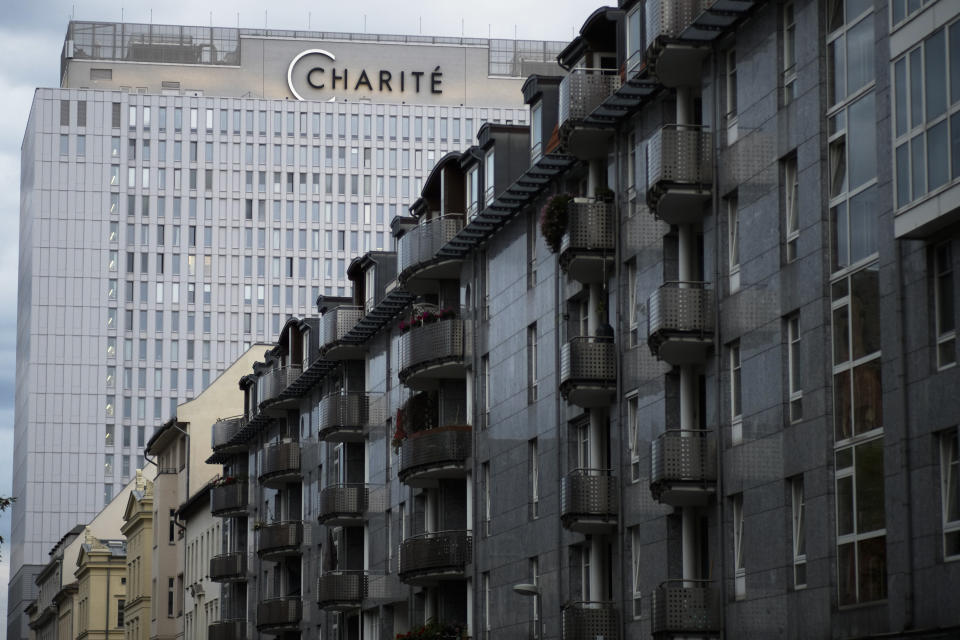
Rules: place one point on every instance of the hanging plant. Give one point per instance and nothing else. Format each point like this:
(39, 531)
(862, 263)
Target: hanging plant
(399, 434)
(553, 220)
(604, 194)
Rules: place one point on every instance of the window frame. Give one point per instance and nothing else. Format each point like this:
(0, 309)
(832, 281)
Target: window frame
(946, 337)
(794, 376)
(798, 532)
(735, 363)
(950, 474)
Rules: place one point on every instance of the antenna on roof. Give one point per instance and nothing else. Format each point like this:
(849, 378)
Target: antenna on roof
(308, 20)
(421, 24)
(264, 18)
(364, 23)
(238, 19)
(461, 27)
(211, 19)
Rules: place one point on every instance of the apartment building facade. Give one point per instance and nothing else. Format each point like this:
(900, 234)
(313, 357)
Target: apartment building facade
(185, 190)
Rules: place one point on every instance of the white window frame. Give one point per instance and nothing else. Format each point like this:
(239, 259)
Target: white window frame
(473, 188)
(789, 71)
(946, 336)
(794, 375)
(536, 131)
(636, 565)
(950, 476)
(532, 382)
(736, 392)
(534, 564)
(740, 572)
(534, 467)
(791, 192)
(733, 244)
(485, 478)
(730, 102)
(633, 431)
(489, 178)
(799, 535)
(486, 605)
(632, 315)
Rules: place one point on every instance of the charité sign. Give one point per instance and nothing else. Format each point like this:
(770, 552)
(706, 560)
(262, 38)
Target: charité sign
(319, 70)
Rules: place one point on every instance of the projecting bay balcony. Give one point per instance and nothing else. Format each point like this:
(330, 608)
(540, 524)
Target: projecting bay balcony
(343, 505)
(581, 92)
(419, 263)
(273, 383)
(346, 417)
(685, 608)
(223, 431)
(683, 467)
(674, 60)
(229, 500)
(589, 245)
(342, 590)
(278, 615)
(229, 567)
(334, 325)
(434, 557)
(590, 620)
(588, 371)
(433, 454)
(680, 322)
(235, 629)
(589, 501)
(280, 464)
(680, 173)
(279, 539)
(431, 352)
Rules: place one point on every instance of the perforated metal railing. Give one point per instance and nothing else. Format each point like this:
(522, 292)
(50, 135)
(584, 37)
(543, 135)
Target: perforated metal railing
(279, 536)
(582, 90)
(224, 429)
(272, 383)
(441, 446)
(280, 458)
(591, 227)
(341, 588)
(229, 498)
(337, 322)
(680, 154)
(685, 606)
(588, 359)
(420, 245)
(683, 455)
(668, 18)
(592, 493)
(350, 412)
(343, 500)
(681, 307)
(438, 551)
(278, 612)
(228, 566)
(591, 619)
(432, 342)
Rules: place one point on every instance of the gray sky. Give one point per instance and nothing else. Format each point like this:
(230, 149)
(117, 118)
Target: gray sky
(31, 36)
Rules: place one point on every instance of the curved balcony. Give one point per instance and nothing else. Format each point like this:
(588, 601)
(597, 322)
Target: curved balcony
(429, 455)
(273, 383)
(343, 504)
(342, 590)
(685, 607)
(590, 620)
(223, 431)
(227, 630)
(589, 245)
(279, 539)
(680, 322)
(581, 92)
(431, 352)
(680, 173)
(588, 371)
(229, 500)
(675, 61)
(683, 467)
(229, 567)
(419, 263)
(280, 464)
(345, 417)
(429, 558)
(589, 501)
(334, 325)
(278, 615)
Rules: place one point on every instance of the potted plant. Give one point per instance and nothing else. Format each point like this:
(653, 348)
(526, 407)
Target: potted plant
(553, 220)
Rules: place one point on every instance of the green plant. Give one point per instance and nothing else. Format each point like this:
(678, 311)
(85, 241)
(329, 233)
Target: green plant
(554, 219)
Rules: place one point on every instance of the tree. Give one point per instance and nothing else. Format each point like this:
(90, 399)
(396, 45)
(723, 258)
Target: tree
(5, 503)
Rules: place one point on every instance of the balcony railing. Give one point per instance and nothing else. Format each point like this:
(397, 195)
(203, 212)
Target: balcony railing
(281, 463)
(588, 371)
(681, 322)
(279, 614)
(224, 430)
(441, 452)
(343, 503)
(683, 466)
(679, 172)
(582, 91)
(688, 607)
(589, 500)
(228, 567)
(418, 247)
(235, 629)
(334, 325)
(272, 383)
(673, 61)
(590, 620)
(280, 538)
(435, 556)
(433, 350)
(589, 244)
(342, 589)
(345, 417)
(229, 500)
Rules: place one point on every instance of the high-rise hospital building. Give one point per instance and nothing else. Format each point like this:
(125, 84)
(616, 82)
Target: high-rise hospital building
(183, 192)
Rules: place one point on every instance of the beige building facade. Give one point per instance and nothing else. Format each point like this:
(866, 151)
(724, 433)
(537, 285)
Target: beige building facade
(101, 592)
(139, 533)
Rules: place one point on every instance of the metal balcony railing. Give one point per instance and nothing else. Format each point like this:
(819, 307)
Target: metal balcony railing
(228, 567)
(590, 620)
(435, 342)
(336, 323)
(279, 613)
(342, 589)
(679, 156)
(668, 18)
(679, 309)
(346, 416)
(440, 447)
(685, 607)
(420, 245)
(272, 383)
(282, 459)
(588, 360)
(582, 91)
(589, 494)
(591, 233)
(224, 430)
(280, 537)
(230, 499)
(235, 629)
(343, 501)
(682, 456)
(435, 552)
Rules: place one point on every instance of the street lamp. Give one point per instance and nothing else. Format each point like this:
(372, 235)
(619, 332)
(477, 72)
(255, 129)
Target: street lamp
(527, 589)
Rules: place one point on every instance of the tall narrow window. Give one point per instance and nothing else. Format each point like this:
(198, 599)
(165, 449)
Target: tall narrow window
(943, 306)
(791, 225)
(793, 366)
(633, 424)
(486, 605)
(740, 573)
(736, 417)
(731, 94)
(799, 533)
(535, 604)
(733, 244)
(532, 363)
(533, 465)
(631, 298)
(532, 250)
(488, 179)
(485, 479)
(789, 72)
(636, 551)
(950, 493)
(536, 131)
(485, 392)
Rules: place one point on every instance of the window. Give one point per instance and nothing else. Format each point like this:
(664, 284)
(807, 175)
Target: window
(486, 605)
(733, 244)
(485, 479)
(488, 178)
(533, 467)
(633, 432)
(740, 573)
(536, 131)
(636, 554)
(170, 597)
(793, 367)
(789, 72)
(903, 8)
(950, 493)
(861, 533)
(736, 418)
(850, 48)
(534, 564)
(943, 294)
(532, 250)
(799, 536)
(730, 59)
(631, 298)
(532, 363)
(791, 190)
